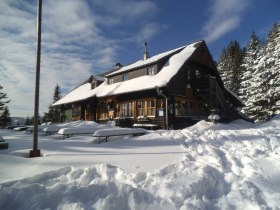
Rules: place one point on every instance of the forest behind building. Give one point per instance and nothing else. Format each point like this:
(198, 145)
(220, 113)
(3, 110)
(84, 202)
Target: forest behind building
(253, 73)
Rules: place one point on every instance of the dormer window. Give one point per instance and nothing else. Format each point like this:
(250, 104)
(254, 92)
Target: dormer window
(151, 70)
(125, 77)
(110, 81)
(93, 85)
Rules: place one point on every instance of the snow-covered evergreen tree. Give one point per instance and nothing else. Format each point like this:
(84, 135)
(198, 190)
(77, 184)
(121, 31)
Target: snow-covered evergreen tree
(250, 78)
(229, 66)
(272, 63)
(260, 85)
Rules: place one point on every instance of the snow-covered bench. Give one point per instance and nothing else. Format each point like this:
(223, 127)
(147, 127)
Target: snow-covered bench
(145, 125)
(70, 131)
(52, 129)
(104, 134)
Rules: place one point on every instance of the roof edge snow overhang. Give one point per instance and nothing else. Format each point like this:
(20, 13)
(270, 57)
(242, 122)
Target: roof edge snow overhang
(234, 98)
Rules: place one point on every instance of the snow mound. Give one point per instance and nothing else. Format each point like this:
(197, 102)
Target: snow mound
(89, 188)
(206, 125)
(221, 166)
(274, 122)
(80, 124)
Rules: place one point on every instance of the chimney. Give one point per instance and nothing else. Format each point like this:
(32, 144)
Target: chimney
(146, 54)
(118, 66)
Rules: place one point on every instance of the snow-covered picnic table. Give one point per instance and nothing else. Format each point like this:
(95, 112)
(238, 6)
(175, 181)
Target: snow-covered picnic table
(104, 134)
(86, 128)
(145, 125)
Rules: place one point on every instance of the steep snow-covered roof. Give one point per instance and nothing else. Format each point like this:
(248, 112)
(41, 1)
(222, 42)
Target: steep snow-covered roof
(235, 97)
(144, 62)
(77, 94)
(147, 82)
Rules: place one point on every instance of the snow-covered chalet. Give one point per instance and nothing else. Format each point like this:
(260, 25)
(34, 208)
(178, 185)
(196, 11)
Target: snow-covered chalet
(169, 90)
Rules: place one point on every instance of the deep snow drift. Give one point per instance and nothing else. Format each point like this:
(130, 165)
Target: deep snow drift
(206, 166)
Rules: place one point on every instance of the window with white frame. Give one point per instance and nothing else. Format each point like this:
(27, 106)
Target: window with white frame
(110, 81)
(146, 107)
(125, 77)
(151, 70)
(125, 109)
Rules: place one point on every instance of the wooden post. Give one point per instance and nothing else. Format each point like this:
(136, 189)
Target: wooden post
(35, 152)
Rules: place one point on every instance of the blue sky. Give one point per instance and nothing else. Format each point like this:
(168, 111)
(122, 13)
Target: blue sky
(84, 37)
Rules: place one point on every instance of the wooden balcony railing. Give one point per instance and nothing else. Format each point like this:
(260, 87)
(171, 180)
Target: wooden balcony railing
(208, 89)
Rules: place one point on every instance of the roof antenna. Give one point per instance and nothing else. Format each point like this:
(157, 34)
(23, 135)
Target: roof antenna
(146, 54)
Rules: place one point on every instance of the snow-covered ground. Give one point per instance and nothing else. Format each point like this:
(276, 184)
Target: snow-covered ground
(206, 166)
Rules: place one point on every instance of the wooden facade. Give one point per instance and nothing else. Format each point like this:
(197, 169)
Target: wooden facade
(193, 93)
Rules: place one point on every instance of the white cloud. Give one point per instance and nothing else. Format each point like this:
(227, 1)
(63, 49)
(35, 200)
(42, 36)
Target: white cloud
(225, 16)
(148, 31)
(119, 11)
(75, 44)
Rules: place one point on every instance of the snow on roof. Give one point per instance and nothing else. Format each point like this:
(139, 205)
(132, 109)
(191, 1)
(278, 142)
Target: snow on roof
(144, 62)
(77, 94)
(147, 82)
(235, 96)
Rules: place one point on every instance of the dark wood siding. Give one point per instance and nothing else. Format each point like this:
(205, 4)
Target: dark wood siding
(134, 73)
(137, 73)
(203, 56)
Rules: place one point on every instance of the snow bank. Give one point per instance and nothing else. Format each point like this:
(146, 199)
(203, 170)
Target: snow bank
(90, 188)
(224, 166)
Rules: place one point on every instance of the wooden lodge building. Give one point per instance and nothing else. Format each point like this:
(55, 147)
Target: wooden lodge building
(172, 89)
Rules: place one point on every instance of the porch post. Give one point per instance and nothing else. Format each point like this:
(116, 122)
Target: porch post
(159, 92)
(166, 113)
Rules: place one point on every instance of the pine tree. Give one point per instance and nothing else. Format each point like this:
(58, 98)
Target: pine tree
(3, 100)
(249, 78)
(4, 111)
(5, 118)
(259, 89)
(57, 94)
(53, 114)
(260, 82)
(27, 121)
(229, 66)
(273, 69)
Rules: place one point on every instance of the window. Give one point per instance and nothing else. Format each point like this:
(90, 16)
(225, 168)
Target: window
(76, 112)
(151, 108)
(151, 70)
(198, 74)
(110, 81)
(103, 111)
(146, 107)
(125, 77)
(125, 109)
(93, 85)
(141, 108)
